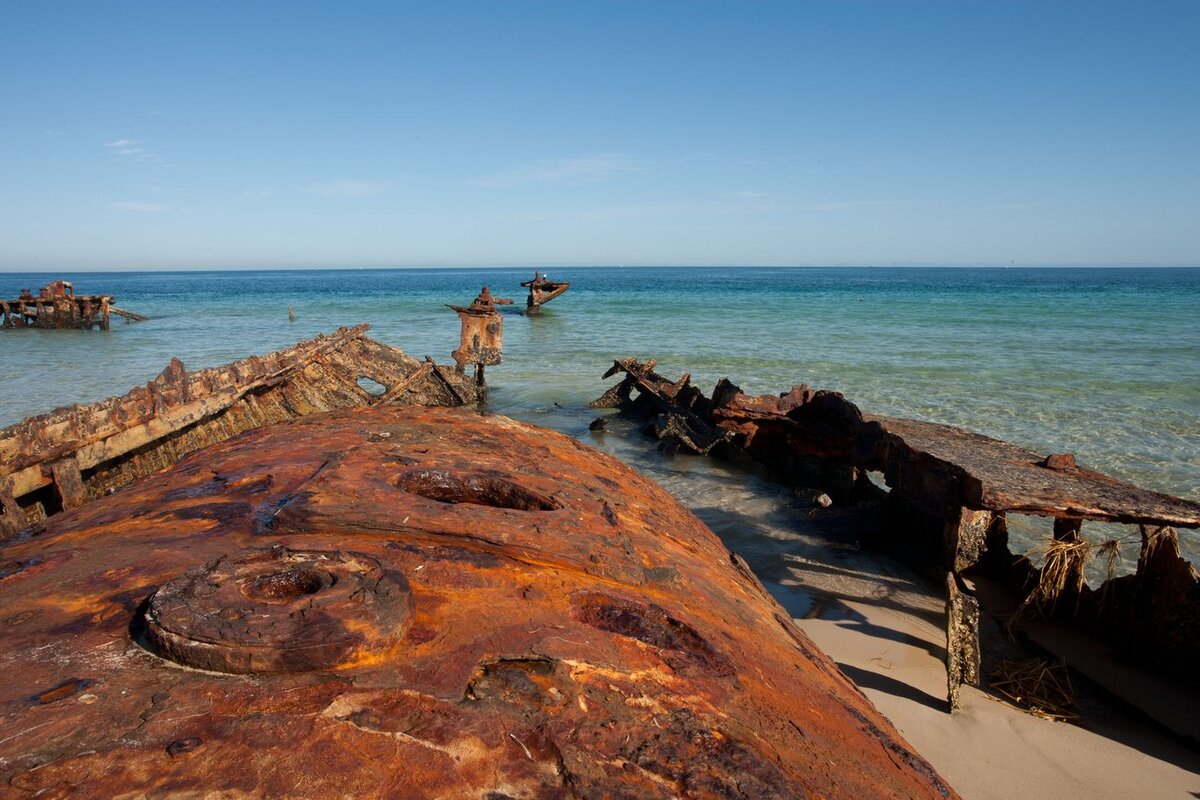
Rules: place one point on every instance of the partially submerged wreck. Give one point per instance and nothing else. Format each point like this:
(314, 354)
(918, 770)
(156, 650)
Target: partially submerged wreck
(60, 460)
(950, 493)
(482, 336)
(542, 291)
(386, 600)
(57, 306)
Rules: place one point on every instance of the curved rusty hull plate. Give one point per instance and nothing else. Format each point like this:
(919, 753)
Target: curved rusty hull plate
(414, 602)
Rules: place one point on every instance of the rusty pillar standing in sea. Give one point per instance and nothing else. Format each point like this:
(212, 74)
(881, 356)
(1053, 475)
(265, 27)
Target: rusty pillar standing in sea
(482, 335)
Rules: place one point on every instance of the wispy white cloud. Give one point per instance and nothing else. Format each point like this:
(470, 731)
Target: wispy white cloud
(134, 149)
(346, 187)
(749, 195)
(139, 207)
(582, 169)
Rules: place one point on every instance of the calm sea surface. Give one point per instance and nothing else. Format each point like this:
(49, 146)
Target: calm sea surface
(1104, 363)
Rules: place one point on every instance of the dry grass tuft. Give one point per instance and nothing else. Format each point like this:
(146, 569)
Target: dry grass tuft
(1062, 570)
(1110, 551)
(1042, 688)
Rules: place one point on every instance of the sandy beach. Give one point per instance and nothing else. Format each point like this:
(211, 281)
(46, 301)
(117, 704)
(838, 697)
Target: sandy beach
(885, 628)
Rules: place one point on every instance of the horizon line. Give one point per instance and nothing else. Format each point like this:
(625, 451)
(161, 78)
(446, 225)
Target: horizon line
(548, 266)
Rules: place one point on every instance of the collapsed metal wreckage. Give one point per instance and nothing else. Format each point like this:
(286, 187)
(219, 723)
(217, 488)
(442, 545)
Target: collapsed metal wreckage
(60, 460)
(949, 493)
(57, 306)
(369, 595)
(542, 291)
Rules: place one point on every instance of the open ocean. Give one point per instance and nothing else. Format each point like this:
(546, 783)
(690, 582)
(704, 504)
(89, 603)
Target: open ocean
(1104, 363)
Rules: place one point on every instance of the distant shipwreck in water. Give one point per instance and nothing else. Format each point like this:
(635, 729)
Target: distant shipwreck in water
(57, 306)
(542, 291)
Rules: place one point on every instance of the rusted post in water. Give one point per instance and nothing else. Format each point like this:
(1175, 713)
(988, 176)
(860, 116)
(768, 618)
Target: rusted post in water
(482, 335)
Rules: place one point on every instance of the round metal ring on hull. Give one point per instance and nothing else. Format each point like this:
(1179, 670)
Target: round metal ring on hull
(278, 610)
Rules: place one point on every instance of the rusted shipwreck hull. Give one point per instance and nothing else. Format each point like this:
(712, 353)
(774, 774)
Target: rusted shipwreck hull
(414, 602)
(542, 291)
(60, 460)
(57, 306)
(951, 491)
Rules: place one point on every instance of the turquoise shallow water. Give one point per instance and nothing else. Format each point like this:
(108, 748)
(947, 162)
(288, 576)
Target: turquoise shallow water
(1104, 363)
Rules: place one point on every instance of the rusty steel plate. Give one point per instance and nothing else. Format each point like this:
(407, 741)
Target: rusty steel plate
(414, 602)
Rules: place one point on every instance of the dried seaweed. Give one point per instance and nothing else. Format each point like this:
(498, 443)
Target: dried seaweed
(1043, 688)
(1061, 572)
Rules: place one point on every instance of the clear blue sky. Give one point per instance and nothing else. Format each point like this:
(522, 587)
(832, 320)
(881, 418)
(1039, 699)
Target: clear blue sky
(253, 134)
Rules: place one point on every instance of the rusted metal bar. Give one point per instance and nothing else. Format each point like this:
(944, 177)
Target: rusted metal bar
(963, 654)
(416, 602)
(120, 312)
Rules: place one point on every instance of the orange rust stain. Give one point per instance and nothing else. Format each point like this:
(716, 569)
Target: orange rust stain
(524, 617)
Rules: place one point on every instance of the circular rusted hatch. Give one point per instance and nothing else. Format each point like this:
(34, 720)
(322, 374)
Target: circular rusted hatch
(278, 610)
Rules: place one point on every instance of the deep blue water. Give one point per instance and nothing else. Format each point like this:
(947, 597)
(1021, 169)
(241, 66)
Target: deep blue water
(1104, 363)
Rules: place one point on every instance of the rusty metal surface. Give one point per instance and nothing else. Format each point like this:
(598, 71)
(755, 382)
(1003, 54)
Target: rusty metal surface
(950, 492)
(57, 306)
(482, 336)
(542, 291)
(59, 460)
(997, 476)
(941, 466)
(414, 602)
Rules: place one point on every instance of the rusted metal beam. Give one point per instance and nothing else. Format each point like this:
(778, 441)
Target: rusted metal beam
(963, 655)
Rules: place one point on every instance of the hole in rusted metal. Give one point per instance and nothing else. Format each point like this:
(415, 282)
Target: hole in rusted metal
(13, 567)
(181, 746)
(476, 488)
(62, 691)
(680, 645)
(287, 585)
(371, 386)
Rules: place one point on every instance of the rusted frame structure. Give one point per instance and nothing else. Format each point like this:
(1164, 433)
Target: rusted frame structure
(68, 311)
(60, 460)
(542, 291)
(57, 306)
(950, 492)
